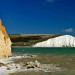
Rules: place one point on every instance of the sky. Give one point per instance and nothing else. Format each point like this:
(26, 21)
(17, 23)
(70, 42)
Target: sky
(38, 16)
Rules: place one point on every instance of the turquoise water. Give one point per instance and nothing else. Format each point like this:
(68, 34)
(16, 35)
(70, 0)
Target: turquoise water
(31, 50)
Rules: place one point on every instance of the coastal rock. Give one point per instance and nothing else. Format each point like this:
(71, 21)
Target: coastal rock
(32, 64)
(5, 43)
(36, 66)
(61, 41)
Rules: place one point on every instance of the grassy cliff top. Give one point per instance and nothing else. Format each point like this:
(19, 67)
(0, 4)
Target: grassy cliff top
(29, 39)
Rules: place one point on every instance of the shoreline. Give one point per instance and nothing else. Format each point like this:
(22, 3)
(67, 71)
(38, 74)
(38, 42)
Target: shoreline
(57, 63)
(10, 66)
(37, 47)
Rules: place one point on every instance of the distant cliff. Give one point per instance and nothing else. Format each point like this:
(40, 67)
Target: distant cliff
(61, 41)
(5, 43)
(29, 39)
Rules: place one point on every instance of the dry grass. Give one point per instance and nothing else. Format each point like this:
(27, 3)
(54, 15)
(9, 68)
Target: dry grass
(29, 39)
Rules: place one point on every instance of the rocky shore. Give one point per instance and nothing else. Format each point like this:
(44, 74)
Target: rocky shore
(7, 65)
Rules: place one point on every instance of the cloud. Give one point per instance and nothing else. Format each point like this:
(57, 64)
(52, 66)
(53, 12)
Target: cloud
(69, 30)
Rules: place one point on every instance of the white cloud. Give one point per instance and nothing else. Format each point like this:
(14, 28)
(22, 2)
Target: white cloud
(69, 30)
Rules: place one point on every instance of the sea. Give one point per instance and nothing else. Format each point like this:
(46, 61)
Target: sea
(43, 50)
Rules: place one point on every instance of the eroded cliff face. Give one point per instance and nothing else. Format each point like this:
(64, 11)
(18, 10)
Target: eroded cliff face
(5, 42)
(61, 41)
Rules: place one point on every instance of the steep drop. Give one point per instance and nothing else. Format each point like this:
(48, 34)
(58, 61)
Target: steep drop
(61, 41)
(5, 42)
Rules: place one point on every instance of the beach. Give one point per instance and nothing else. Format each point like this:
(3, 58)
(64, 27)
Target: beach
(50, 63)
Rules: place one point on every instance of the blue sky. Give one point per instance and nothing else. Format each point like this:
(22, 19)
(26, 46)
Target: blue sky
(38, 16)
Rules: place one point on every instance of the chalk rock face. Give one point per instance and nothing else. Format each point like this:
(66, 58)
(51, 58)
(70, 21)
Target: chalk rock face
(61, 41)
(5, 43)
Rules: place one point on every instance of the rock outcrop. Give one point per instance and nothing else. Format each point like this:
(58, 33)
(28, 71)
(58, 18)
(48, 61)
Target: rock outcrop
(32, 64)
(5, 42)
(61, 41)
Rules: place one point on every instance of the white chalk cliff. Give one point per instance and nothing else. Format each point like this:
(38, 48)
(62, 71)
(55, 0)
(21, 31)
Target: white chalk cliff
(5, 43)
(61, 41)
